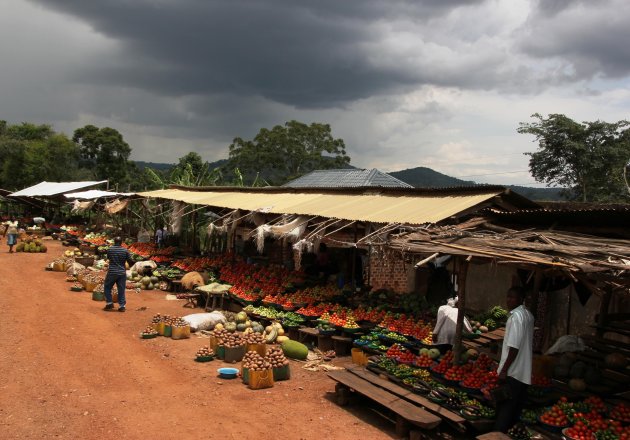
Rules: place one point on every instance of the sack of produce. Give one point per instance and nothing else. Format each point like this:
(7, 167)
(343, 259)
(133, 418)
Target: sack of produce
(204, 321)
(191, 280)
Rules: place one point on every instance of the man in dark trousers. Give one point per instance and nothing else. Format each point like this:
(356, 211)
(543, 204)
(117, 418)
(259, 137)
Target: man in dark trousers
(515, 368)
(116, 274)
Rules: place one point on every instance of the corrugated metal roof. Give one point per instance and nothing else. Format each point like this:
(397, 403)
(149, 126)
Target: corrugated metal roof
(346, 178)
(370, 205)
(599, 217)
(44, 189)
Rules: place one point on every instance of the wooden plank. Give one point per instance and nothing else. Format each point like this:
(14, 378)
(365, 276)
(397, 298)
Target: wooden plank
(603, 344)
(407, 410)
(363, 387)
(406, 394)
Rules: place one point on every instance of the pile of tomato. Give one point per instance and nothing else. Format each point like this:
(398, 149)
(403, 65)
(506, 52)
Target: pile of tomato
(555, 416)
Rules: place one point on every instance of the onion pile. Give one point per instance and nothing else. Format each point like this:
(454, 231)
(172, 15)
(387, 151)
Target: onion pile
(178, 322)
(275, 356)
(205, 351)
(219, 333)
(232, 340)
(255, 362)
(254, 338)
(149, 331)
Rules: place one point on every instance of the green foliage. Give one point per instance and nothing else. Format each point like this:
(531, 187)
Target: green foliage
(589, 157)
(31, 153)
(286, 152)
(191, 170)
(105, 151)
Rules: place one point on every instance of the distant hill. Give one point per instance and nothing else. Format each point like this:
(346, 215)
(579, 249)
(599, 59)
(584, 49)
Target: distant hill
(154, 165)
(422, 177)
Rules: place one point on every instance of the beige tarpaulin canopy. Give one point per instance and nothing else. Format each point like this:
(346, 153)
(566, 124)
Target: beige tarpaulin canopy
(406, 206)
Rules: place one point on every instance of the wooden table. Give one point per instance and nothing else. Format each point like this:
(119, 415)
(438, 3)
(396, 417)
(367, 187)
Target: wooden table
(406, 413)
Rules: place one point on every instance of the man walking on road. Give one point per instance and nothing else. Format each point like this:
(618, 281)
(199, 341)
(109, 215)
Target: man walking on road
(515, 368)
(116, 274)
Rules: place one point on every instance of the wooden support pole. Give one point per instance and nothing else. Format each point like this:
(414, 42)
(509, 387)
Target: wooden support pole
(461, 306)
(603, 311)
(427, 260)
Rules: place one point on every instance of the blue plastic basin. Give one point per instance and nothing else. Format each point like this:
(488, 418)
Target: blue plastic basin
(228, 373)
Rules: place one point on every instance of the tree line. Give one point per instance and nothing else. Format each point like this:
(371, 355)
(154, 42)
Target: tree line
(31, 153)
(589, 159)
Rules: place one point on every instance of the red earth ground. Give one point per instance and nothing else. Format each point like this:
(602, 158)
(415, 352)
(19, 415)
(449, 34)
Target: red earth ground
(70, 370)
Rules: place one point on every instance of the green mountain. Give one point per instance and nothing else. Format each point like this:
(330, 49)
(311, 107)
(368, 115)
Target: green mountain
(422, 177)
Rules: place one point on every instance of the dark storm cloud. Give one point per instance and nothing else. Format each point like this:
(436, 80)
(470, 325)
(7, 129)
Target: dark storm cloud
(305, 54)
(588, 38)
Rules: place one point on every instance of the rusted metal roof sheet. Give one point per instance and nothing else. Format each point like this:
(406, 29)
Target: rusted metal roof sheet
(379, 206)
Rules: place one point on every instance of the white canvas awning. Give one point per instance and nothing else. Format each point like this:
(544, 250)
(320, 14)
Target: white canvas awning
(48, 189)
(95, 194)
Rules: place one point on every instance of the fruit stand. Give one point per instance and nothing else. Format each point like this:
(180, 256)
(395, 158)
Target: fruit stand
(402, 361)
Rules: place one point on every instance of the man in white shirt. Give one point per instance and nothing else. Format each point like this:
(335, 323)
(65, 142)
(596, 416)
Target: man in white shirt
(445, 325)
(515, 367)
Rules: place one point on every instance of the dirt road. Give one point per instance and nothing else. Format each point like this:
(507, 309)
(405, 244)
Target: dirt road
(70, 370)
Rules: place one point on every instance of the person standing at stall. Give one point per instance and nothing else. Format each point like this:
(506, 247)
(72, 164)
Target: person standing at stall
(116, 274)
(446, 325)
(515, 367)
(159, 237)
(11, 232)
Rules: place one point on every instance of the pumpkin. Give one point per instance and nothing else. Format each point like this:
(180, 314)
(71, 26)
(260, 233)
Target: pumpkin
(615, 360)
(577, 384)
(561, 371)
(145, 281)
(578, 370)
(241, 317)
(230, 326)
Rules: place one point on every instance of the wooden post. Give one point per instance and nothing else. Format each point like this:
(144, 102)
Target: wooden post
(369, 265)
(461, 306)
(354, 261)
(603, 311)
(195, 247)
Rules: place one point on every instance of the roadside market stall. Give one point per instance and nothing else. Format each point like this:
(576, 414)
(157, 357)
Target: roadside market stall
(390, 333)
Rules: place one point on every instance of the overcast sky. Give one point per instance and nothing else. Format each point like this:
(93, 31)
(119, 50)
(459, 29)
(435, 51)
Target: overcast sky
(406, 83)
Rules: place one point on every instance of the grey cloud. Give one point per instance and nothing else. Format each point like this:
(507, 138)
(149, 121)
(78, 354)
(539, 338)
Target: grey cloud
(586, 38)
(286, 51)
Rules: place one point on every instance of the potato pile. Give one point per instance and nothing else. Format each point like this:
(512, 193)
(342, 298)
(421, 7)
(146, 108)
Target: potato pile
(254, 338)
(232, 340)
(275, 357)
(204, 351)
(157, 318)
(255, 362)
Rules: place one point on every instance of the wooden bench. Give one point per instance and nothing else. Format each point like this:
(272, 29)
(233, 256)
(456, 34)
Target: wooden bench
(406, 412)
(406, 394)
(192, 299)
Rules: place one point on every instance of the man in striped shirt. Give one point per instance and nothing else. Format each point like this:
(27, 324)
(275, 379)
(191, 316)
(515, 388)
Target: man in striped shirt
(116, 274)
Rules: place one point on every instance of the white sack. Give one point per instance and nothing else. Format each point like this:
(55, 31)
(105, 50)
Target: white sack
(567, 343)
(204, 321)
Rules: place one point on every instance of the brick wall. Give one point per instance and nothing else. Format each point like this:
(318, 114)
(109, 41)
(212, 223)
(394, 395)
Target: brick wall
(391, 274)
